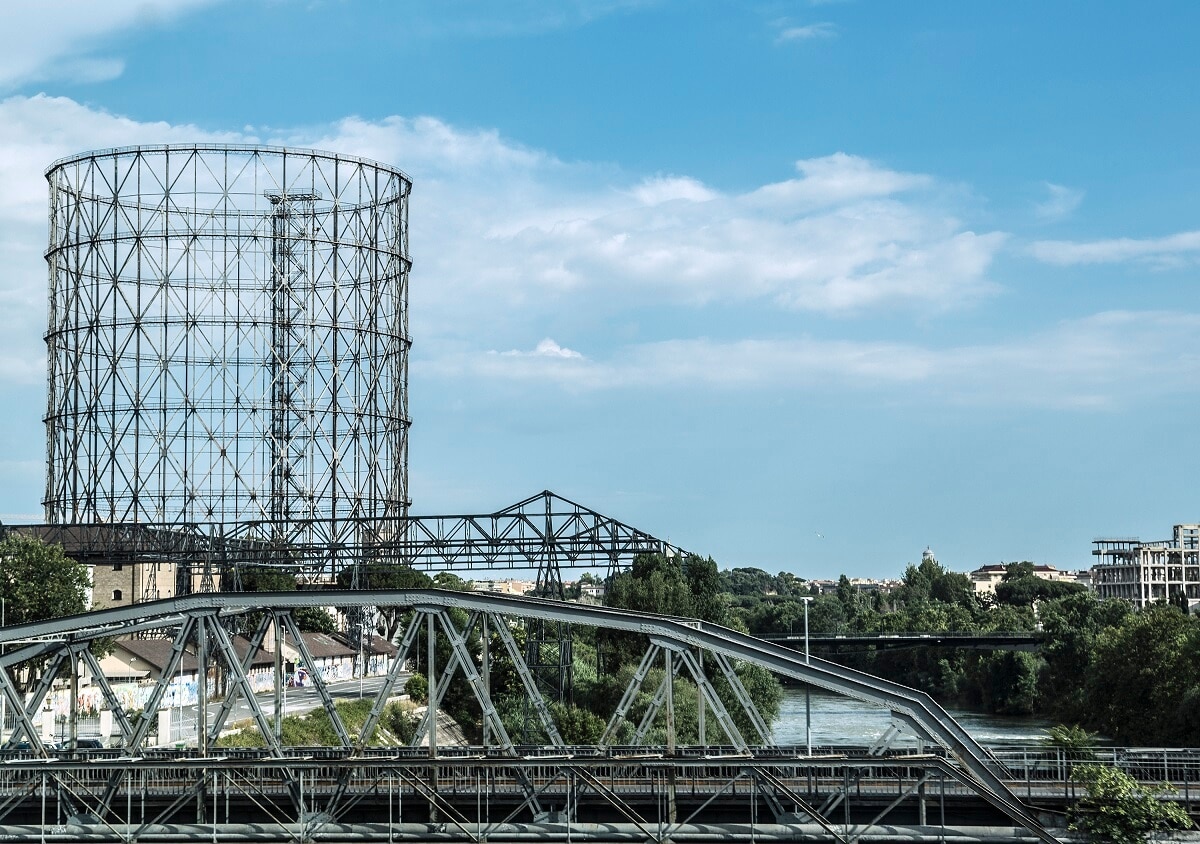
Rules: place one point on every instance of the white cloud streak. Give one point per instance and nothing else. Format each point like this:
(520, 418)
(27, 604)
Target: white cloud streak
(1164, 252)
(1061, 202)
(807, 32)
(1097, 362)
(508, 237)
(50, 39)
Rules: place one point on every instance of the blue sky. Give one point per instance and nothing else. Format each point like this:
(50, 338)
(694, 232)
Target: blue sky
(801, 285)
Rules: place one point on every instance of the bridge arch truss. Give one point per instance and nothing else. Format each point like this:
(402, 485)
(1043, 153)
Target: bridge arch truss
(597, 792)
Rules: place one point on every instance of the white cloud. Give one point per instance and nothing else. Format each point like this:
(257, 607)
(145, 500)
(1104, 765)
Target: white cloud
(1173, 250)
(35, 131)
(1097, 362)
(545, 349)
(49, 39)
(808, 32)
(503, 234)
(1061, 202)
(669, 188)
(515, 18)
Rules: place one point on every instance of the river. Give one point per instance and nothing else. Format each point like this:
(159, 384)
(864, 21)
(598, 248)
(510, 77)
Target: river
(840, 720)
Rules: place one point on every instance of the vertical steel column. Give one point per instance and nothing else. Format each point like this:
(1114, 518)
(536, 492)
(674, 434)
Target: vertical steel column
(485, 669)
(431, 708)
(202, 622)
(279, 679)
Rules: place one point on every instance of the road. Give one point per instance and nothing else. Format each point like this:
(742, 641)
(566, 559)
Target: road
(295, 701)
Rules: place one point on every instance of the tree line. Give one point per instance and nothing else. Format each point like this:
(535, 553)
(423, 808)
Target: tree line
(1133, 676)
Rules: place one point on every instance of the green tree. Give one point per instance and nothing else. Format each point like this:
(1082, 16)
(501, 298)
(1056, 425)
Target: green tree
(379, 576)
(417, 687)
(1142, 675)
(1117, 810)
(1025, 589)
(38, 581)
(704, 581)
(283, 579)
(1073, 739)
(577, 725)
(1071, 625)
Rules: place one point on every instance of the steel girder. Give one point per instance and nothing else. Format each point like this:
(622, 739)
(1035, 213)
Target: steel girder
(543, 533)
(201, 616)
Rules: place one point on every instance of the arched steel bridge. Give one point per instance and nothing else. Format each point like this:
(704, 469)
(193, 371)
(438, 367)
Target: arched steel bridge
(995, 640)
(727, 785)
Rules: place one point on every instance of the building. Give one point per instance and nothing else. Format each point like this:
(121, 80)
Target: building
(986, 578)
(1147, 572)
(503, 587)
(122, 584)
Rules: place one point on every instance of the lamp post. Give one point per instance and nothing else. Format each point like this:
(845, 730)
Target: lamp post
(807, 599)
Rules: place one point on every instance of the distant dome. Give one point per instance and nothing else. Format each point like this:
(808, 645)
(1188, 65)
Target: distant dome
(927, 555)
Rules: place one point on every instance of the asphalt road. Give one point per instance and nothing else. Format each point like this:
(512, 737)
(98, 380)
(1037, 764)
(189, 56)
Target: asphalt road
(295, 701)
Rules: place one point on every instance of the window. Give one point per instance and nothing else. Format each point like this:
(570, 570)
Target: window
(116, 595)
(118, 566)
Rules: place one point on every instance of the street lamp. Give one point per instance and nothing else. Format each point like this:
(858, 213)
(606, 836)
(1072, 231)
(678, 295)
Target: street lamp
(807, 599)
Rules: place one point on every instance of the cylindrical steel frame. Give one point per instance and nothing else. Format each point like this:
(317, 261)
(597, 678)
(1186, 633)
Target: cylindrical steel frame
(228, 340)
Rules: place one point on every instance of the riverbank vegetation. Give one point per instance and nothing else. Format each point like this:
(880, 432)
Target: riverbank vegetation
(1133, 676)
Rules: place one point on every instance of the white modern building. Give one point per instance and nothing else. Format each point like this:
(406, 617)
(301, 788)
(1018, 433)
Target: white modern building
(1146, 572)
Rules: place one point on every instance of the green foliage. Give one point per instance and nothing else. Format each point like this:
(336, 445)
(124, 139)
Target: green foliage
(1073, 739)
(38, 581)
(764, 690)
(704, 582)
(1024, 590)
(654, 584)
(380, 576)
(417, 688)
(400, 722)
(752, 582)
(1117, 810)
(450, 580)
(315, 620)
(315, 729)
(931, 582)
(577, 725)
(663, 585)
(1143, 676)
(266, 578)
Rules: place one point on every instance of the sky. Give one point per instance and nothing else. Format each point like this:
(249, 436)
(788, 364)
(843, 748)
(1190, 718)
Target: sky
(807, 286)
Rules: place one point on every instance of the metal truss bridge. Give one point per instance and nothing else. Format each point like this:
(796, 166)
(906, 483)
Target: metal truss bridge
(544, 533)
(990, 641)
(727, 785)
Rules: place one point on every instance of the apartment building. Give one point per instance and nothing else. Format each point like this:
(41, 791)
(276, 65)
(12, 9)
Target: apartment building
(1146, 572)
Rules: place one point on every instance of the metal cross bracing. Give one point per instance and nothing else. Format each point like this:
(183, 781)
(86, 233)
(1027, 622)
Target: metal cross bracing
(228, 342)
(655, 792)
(545, 533)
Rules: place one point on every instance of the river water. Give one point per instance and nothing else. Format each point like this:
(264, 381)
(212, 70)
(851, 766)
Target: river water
(840, 720)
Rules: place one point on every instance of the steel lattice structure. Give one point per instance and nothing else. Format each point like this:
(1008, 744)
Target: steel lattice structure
(228, 342)
(544, 532)
(654, 792)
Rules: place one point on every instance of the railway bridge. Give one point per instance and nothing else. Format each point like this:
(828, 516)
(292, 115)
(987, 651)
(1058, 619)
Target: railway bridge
(635, 782)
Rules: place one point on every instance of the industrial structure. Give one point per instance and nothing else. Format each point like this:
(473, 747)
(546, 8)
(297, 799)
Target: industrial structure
(228, 359)
(228, 344)
(614, 788)
(1144, 573)
(228, 382)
